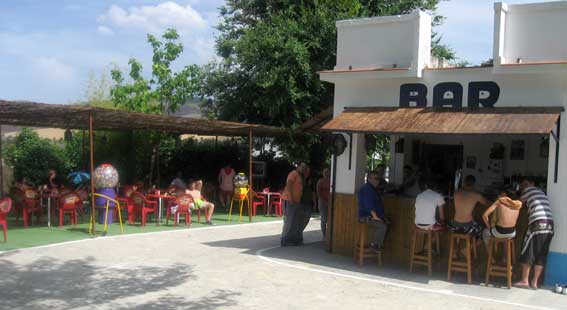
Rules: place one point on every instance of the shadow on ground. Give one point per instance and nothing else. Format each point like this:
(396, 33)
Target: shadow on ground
(216, 299)
(315, 253)
(47, 282)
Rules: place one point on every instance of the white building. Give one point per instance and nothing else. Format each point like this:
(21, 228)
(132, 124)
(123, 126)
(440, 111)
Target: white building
(384, 67)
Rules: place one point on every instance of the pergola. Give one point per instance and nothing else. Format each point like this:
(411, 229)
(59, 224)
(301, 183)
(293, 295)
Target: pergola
(23, 113)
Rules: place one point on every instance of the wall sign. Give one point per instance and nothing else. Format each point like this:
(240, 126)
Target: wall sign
(450, 94)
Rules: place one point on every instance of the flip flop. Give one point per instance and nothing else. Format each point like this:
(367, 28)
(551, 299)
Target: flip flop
(524, 286)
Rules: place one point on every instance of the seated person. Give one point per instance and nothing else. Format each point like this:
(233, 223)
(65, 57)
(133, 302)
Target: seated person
(466, 200)
(507, 210)
(426, 205)
(199, 201)
(371, 210)
(178, 182)
(52, 180)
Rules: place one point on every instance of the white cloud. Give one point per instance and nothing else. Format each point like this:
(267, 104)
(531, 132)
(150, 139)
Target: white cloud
(156, 18)
(105, 30)
(54, 69)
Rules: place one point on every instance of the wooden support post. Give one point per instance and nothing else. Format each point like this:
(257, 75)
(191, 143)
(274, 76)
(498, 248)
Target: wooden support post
(250, 193)
(91, 151)
(83, 153)
(1, 167)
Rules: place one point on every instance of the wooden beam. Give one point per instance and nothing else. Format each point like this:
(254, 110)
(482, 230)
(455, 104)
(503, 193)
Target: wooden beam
(250, 193)
(91, 151)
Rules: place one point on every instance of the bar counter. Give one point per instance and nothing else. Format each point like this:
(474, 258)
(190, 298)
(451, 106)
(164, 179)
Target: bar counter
(401, 212)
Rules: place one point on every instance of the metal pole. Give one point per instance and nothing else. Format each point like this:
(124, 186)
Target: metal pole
(557, 145)
(251, 175)
(332, 213)
(91, 151)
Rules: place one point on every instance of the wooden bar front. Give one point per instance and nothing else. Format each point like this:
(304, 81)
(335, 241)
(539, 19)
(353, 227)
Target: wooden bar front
(401, 212)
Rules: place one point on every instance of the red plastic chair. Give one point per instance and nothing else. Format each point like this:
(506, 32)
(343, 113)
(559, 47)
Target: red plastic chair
(276, 202)
(259, 199)
(5, 206)
(68, 204)
(31, 205)
(84, 196)
(145, 206)
(183, 208)
(126, 202)
(18, 198)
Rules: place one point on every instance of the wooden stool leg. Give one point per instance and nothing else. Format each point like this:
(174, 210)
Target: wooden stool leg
(361, 249)
(380, 259)
(429, 254)
(412, 254)
(450, 256)
(509, 263)
(473, 242)
(489, 264)
(513, 244)
(469, 265)
(438, 247)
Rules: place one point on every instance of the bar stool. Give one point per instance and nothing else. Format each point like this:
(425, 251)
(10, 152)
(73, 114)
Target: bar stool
(460, 266)
(361, 250)
(424, 259)
(496, 270)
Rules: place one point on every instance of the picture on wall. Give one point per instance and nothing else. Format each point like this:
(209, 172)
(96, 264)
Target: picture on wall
(517, 150)
(471, 162)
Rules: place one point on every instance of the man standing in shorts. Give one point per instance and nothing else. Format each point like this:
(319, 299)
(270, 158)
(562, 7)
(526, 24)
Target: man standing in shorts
(538, 236)
(293, 211)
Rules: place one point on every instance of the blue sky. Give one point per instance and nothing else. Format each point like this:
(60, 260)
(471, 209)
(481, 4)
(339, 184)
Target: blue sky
(48, 49)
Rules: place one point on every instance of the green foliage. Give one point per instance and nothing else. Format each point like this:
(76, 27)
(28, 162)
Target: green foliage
(166, 91)
(32, 157)
(380, 154)
(270, 54)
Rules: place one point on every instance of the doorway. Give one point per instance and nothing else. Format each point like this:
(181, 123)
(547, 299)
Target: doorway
(441, 162)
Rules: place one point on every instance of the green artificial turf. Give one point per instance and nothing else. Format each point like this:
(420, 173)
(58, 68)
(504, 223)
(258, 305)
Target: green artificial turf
(37, 235)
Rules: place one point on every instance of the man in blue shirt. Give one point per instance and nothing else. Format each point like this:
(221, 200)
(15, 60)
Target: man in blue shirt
(371, 209)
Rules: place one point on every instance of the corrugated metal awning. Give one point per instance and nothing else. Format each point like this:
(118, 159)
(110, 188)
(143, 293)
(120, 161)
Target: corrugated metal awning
(393, 120)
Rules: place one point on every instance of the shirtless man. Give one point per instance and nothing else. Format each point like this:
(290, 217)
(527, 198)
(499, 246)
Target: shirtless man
(199, 202)
(465, 201)
(507, 210)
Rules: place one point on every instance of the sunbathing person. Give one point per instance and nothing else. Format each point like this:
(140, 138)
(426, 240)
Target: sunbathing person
(199, 201)
(506, 210)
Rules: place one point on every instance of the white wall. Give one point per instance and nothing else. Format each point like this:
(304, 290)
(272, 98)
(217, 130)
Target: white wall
(381, 42)
(533, 32)
(557, 192)
(350, 179)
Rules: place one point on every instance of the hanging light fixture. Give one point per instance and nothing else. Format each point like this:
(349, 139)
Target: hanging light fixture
(68, 136)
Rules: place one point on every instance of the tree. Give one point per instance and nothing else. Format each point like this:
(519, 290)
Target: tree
(32, 157)
(166, 91)
(271, 51)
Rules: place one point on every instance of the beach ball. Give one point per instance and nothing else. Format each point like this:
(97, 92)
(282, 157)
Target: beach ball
(105, 176)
